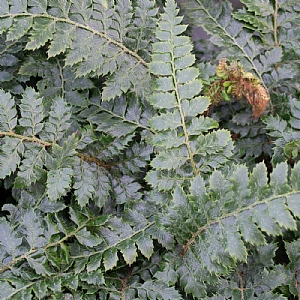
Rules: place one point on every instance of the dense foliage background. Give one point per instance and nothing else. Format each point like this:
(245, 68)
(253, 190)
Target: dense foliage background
(136, 164)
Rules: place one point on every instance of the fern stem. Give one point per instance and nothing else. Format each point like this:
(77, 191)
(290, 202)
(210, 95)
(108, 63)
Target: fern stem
(241, 287)
(25, 138)
(187, 142)
(47, 144)
(192, 240)
(95, 160)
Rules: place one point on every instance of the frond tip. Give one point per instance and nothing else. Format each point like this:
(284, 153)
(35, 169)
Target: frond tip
(180, 104)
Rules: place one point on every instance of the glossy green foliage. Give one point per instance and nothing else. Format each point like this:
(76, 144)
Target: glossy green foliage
(93, 35)
(156, 193)
(184, 148)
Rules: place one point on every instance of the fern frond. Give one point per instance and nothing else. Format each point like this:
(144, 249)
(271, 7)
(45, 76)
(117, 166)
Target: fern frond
(60, 165)
(84, 177)
(10, 156)
(177, 98)
(258, 15)
(58, 122)
(31, 169)
(8, 112)
(218, 219)
(32, 113)
(119, 117)
(140, 33)
(96, 41)
(55, 79)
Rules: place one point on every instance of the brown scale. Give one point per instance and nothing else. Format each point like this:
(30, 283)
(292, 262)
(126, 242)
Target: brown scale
(242, 84)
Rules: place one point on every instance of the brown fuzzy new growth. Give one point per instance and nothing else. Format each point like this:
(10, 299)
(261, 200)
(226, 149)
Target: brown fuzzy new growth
(240, 84)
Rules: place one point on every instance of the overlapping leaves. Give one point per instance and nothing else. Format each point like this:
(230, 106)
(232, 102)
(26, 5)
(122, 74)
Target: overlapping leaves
(54, 245)
(94, 35)
(217, 220)
(24, 154)
(180, 125)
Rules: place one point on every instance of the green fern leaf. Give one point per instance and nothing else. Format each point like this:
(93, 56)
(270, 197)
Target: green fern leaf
(229, 33)
(219, 243)
(177, 99)
(97, 39)
(31, 168)
(249, 231)
(170, 139)
(94, 278)
(165, 180)
(295, 173)
(110, 259)
(258, 180)
(18, 6)
(261, 24)
(8, 291)
(48, 206)
(293, 266)
(128, 250)
(60, 165)
(145, 245)
(58, 122)
(155, 290)
(166, 121)
(86, 238)
(84, 182)
(94, 263)
(278, 210)
(170, 159)
(102, 187)
(19, 28)
(234, 243)
(10, 159)
(259, 7)
(38, 6)
(62, 40)
(4, 7)
(135, 158)
(286, 133)
(125, 188)
(39, 37)
(58, 182)
(8, 112)
(5, 23)
(140, 33)
(118, 118)
(38, 264)
(279, 179)
(33, 230)
(9, 239)
(31, 113)
(201, 124)
(213, 149)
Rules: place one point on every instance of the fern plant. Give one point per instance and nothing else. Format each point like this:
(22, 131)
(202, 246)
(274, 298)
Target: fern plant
(121, 177)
